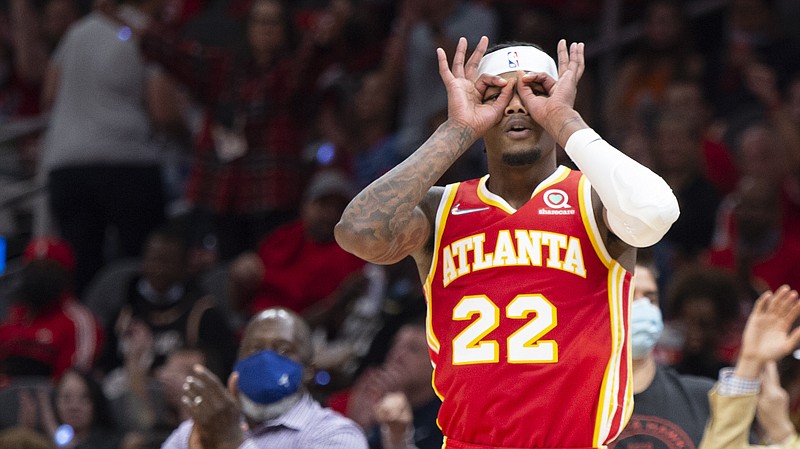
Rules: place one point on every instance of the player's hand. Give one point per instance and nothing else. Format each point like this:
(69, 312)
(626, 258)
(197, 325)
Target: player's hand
(560, 93)
(465, 89)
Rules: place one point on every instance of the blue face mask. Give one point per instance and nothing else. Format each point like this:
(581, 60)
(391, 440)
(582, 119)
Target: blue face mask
(646, 327)
(267, 377)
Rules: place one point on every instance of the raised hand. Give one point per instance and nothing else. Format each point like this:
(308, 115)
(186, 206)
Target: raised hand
(394, 411)
(465, 89)
(561, 93)
(767, 335)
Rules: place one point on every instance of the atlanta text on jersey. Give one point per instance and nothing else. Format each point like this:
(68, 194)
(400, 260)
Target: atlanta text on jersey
(527, 247)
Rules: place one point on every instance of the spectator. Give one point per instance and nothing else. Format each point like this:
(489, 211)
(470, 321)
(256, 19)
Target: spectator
(151, 408)
(750, 35)
(343, 334)
(395, 402)
(638, 144)
(665, 52)
(79, 416)
(102, 168)
(679, 160)
(777, 145)
(751, 240)
(247, 171)
(422, 26)
(670, 410)
(361, 124)
(267, 391)
(768, 336)
(702, 334)
(48, 330)
(299, 266)
(172, 307)
(688, 98)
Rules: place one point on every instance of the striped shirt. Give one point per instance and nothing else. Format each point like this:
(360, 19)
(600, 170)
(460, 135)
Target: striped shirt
(307, 425)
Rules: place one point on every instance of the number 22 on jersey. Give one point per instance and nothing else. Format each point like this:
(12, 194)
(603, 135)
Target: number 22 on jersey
(523, 346)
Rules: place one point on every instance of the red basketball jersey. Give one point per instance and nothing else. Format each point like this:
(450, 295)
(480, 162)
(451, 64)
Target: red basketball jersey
(527, 319)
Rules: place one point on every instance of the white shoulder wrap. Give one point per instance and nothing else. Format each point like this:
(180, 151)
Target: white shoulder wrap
(640, 206)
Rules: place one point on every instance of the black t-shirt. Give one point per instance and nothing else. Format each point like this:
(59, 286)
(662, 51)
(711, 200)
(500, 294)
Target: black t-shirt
(670, 414)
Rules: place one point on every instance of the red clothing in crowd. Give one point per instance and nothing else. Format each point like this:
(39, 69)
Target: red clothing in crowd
(719, 167)
(264, 104)
(63, 335)
(300, 272)
(781, 266)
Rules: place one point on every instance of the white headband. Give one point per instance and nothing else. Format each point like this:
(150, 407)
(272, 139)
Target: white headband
(523, 57)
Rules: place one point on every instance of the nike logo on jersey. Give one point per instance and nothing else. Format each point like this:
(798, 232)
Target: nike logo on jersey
(456, 211)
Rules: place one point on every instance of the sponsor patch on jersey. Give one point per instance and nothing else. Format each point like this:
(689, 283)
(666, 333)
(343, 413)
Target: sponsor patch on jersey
(557, 202)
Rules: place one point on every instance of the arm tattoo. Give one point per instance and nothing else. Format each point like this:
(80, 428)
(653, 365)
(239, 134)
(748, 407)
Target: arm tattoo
(382, 215)
(564, 126)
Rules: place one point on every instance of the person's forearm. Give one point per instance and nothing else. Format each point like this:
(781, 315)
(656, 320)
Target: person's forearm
(780, 430)
(397, 439)
(374, 226)
(640, 205)
(30, 57)
(730, 421)
(748, 367)
(562, 123)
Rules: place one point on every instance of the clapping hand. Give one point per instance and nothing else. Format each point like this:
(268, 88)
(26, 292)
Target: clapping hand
(214, 411)
(767, 335)
(560, 93)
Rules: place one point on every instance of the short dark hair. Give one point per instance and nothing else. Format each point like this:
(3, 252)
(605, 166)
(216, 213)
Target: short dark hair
(708, 282)
(507, 44)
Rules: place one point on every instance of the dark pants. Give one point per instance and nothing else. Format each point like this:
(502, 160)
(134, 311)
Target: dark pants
(87, 200)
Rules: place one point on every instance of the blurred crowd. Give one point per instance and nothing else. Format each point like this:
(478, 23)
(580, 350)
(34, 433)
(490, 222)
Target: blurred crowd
(198, 153)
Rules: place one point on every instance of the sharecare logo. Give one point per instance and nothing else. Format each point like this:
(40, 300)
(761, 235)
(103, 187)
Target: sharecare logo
(513, 60)
(556, 199)
(558, 202)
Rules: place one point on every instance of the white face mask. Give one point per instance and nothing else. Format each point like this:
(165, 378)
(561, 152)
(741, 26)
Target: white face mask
(646, 327)
(265, 412)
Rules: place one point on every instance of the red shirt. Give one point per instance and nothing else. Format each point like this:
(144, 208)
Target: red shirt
(527, 318)
(298, 271)
(64, 335)
(782, 266)
(271, 107)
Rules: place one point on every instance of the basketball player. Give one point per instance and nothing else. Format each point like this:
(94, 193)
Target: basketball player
(526, 270)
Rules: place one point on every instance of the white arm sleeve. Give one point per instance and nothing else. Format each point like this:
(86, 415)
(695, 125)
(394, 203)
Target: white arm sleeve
(640, 206)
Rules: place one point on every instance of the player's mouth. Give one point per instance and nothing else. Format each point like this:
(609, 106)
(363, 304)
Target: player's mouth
(519, 129)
